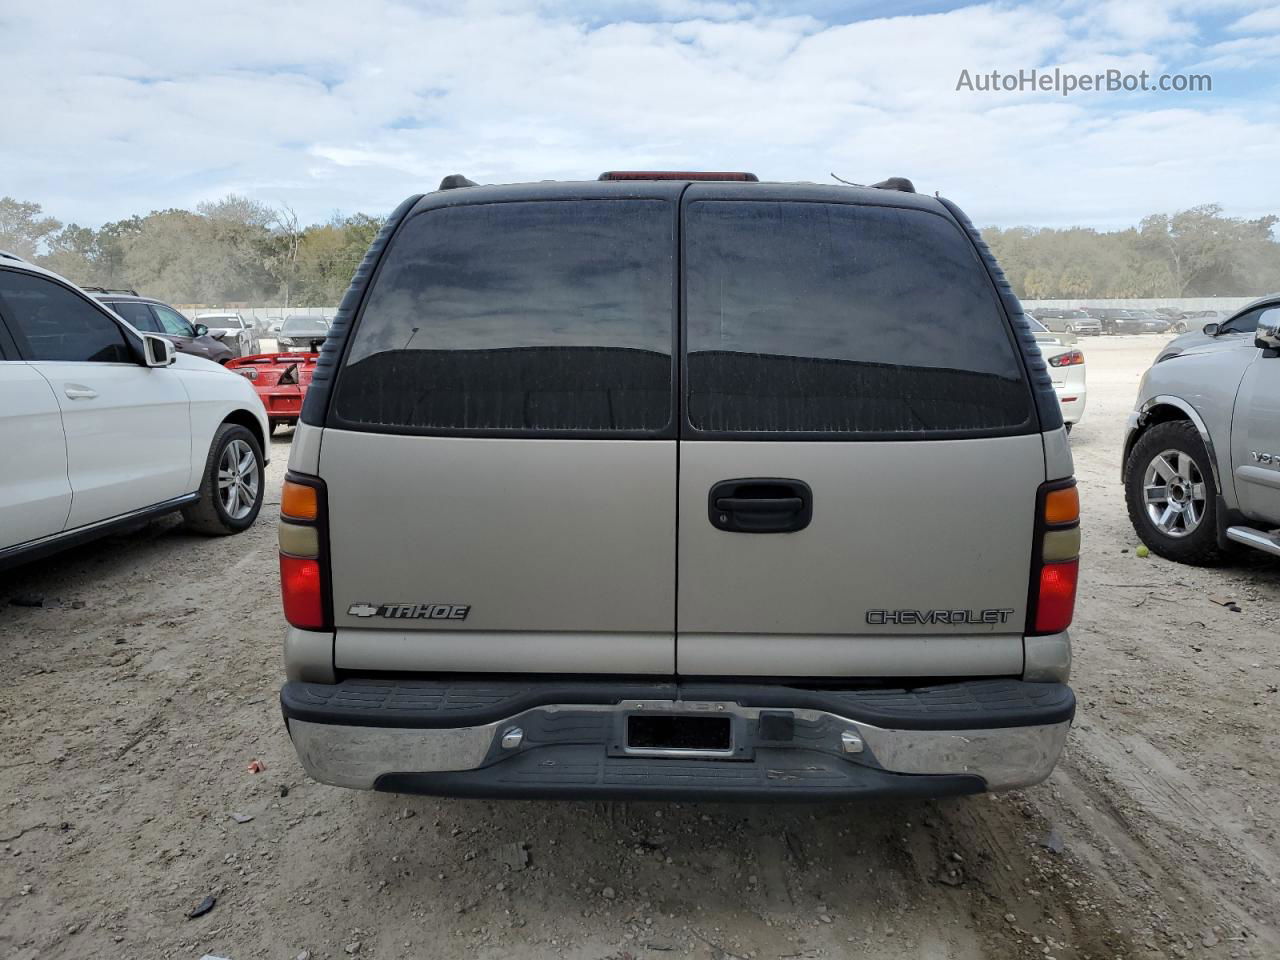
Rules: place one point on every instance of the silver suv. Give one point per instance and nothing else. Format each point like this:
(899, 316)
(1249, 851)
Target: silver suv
(1202, 449)
(667, 485)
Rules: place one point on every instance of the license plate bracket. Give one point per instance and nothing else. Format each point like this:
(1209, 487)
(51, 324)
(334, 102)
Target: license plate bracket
(675, 734)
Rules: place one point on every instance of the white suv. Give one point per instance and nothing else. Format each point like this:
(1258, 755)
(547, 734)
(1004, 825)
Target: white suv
(103, 426)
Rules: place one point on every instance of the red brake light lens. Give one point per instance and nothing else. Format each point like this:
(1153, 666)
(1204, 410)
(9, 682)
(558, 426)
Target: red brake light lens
(1072, 359)
(1057, 600)
(303, 591)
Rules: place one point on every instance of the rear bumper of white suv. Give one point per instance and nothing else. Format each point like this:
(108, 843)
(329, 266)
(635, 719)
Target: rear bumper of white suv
(596, 739)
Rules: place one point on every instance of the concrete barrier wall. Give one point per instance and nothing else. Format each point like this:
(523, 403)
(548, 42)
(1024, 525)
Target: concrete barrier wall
(258, 313)
(1225, 304)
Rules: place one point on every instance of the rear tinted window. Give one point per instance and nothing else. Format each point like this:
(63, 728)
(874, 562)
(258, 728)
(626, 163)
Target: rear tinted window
(836, 318)
(527, 317)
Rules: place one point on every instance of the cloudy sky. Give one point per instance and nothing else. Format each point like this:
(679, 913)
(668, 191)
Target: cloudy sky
(114, 109)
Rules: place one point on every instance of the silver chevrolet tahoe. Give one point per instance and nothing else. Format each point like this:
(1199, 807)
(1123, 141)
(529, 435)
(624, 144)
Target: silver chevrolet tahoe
(679, 485)
(1202, 446)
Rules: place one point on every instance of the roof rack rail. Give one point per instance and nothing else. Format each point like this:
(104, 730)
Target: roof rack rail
(901, 184)
(118, 291)
(11, 256)
(455, 180)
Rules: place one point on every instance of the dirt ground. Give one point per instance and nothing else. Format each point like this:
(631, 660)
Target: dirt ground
(132, 703)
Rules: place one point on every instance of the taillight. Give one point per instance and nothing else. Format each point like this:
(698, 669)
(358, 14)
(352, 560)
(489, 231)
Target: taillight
(1072, 359)
(1056, 558)
(302, 589)
(247, 372)
(304, 573)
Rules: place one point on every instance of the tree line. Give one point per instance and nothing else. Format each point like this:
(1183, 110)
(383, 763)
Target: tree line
(233, 250)
(237, 250)
(1191, 253)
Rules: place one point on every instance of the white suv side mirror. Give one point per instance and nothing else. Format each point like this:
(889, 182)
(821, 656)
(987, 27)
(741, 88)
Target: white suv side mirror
(157, 351)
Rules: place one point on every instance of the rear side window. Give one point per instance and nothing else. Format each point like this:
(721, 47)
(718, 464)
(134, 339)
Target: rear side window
(57, 324)
(843, 319)
(522, 317)
(138, 314)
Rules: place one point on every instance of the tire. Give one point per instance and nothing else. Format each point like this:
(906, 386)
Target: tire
(1184, 489)
(1068, 427)
(1180, 328)
(1071, 328)
(210, 514)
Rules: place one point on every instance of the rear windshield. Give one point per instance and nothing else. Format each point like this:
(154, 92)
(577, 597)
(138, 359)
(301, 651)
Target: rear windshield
(304, 325)
(819, 318)
(524, 317)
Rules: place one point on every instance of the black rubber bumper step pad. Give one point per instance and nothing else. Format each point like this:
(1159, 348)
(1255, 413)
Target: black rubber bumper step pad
(585, 772)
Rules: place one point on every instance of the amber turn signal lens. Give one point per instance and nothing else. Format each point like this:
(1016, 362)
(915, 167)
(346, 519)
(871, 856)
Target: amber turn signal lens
(298, 501)
(1062, 506)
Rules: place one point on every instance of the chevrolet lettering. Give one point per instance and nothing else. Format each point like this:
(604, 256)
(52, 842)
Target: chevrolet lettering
(926, 617)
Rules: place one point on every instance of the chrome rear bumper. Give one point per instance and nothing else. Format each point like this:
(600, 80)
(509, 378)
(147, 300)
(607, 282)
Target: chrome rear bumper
(582, 748)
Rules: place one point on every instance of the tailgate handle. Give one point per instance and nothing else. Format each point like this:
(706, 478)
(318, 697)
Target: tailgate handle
(760, 505)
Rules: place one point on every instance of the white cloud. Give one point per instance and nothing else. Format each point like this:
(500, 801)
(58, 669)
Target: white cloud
(329, 106)
(1266, 20)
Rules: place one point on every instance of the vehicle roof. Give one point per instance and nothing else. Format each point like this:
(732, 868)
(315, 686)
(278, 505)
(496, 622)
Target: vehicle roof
(14, 262)
(127, 298)
(665, 189)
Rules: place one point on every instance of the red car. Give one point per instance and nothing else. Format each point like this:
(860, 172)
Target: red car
(281, 380)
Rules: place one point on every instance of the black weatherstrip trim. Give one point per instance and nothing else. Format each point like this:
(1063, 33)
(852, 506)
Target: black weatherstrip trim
(1046, 400)
(315, 408)
(8, 349)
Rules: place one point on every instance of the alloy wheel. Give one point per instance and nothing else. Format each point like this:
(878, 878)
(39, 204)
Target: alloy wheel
(238, 479)
(1174, 493)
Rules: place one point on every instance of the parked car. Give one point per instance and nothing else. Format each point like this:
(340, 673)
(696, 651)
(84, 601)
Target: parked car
(575, 511)
(1176, 319)
(1224, 332)
(302, 334)
(1066, 370)
(1153, 322)
(1202, 449)
(106, 426)
(274, 324)
(1115, 320)
(1063, 320)
(152, 316)
(281, 381)
(1201, 317)
(233, 330)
